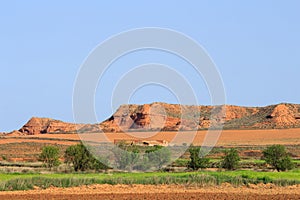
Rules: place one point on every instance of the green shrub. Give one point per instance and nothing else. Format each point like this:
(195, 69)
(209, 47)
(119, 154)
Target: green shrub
(197, 159)
(81, 159)
(158, 156)
(50, 156)
(126, 159)
(277, 156)
(4, 157)
(231, 159)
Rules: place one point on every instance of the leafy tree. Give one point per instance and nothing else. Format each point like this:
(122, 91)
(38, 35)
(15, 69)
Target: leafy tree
(129, 157)
(197, 159)
(158, 156)
(50, 156)
(126, 158)
(277, 156)
(231, 159)
(98, 164)
(81, 159)
(79, 156)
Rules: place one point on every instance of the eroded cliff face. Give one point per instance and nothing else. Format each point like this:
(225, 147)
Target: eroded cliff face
(284, 115)
(174, 117)
(155, 117)
(46, 125)
(281, 116)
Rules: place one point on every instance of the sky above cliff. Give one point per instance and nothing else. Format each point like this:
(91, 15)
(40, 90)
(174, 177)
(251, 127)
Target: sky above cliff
(255, 46)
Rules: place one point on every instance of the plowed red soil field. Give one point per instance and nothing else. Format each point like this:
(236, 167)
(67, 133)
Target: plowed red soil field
(227, 137)
(151, 192)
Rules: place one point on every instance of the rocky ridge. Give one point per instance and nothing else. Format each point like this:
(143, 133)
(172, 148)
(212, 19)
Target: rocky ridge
(174, 117)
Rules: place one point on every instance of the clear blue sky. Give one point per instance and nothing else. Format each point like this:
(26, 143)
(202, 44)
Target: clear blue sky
(255, 45)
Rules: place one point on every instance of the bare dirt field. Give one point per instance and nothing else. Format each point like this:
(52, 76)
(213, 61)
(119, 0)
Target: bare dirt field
(21, 140)
(152, 192)
(227, 137)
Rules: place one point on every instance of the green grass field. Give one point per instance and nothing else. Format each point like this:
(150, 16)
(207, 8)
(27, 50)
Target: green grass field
(28, 181)
(290, 175)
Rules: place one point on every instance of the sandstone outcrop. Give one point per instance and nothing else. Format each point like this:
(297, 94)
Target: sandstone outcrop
(281, 116)
(16, 133)
(174, 117)
(46, 125)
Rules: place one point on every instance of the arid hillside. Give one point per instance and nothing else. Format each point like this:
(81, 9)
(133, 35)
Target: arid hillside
(37, 126)
(174, 117)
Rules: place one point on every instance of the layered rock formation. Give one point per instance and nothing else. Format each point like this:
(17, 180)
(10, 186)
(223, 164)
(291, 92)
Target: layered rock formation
(152, 117)
(173, 117)
(46, 125)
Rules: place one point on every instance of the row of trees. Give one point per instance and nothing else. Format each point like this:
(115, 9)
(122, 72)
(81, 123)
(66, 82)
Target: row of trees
(275, 155)
(199, 161)
(130, 158)
(125, 157)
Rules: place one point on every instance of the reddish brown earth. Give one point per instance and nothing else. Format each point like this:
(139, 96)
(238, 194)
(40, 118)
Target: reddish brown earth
(46, 141)
(174, 117)
(151, 192)
(227, 137)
